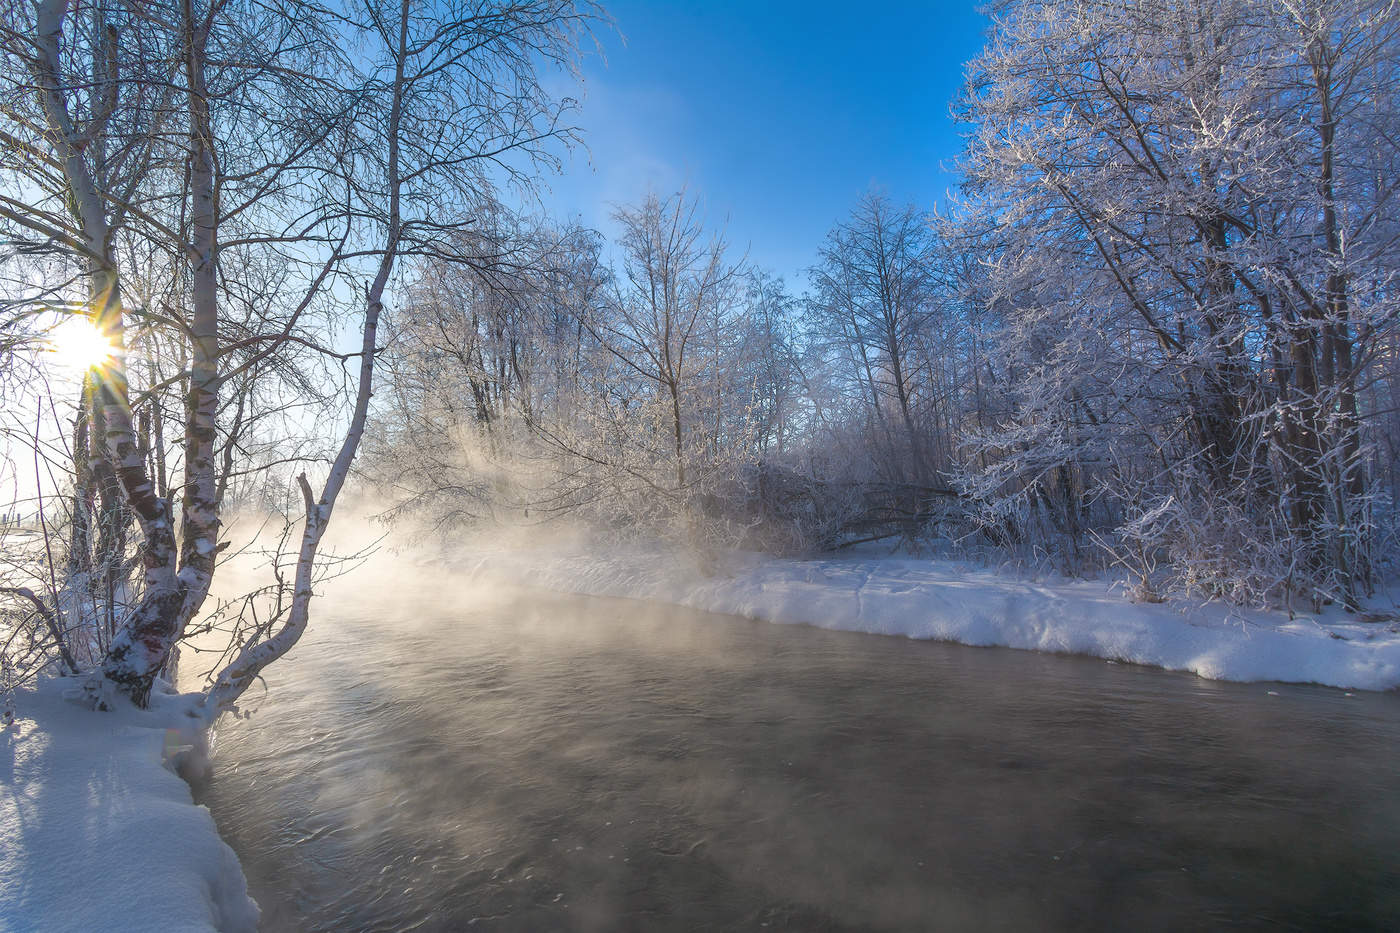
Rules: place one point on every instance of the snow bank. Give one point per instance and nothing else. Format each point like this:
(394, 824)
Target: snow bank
(942, 600)
(96, 833)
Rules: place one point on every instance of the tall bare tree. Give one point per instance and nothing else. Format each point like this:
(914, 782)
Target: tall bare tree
(271, 175)
(871, 308)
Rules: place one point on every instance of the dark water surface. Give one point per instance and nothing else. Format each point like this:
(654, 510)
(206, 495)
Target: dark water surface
(525, 762)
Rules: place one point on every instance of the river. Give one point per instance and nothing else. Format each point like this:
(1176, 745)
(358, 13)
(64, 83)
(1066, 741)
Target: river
(512, 760)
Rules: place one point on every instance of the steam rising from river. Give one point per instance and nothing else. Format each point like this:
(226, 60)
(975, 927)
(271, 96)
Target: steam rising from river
(443, 749)
(403, 574)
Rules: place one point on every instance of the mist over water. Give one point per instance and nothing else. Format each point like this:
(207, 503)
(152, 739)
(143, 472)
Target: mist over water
(436, 757)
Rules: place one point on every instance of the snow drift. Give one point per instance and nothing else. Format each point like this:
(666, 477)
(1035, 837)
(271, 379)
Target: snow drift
(97, 833)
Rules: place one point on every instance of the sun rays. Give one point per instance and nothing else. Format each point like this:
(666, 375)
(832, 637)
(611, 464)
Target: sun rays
(78, 346)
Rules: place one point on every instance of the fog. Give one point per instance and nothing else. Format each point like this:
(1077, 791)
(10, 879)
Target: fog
(441, 751)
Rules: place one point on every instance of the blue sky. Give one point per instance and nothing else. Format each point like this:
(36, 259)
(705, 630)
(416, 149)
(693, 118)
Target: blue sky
(779, 115)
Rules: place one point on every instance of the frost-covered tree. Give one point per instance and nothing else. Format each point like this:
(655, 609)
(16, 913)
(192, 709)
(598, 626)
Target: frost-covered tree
(221, 183)
(872, 309)
(139, 178)
(768, 367)
(485, 360)
(1185, 217)
(663, 396)
(669, 305)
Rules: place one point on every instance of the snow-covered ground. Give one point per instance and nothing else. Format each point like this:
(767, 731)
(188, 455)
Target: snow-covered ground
(96, 833)
(922, 598)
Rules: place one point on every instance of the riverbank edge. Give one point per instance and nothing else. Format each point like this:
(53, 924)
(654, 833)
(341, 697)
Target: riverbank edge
(946, 601)
(100, 832)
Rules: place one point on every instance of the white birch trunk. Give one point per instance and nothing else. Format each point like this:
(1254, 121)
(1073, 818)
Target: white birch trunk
(234, 679)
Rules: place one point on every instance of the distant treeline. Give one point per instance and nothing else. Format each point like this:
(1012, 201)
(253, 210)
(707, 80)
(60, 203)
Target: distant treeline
(1156, 331)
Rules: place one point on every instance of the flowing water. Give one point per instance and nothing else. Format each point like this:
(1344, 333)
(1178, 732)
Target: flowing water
(510, 760)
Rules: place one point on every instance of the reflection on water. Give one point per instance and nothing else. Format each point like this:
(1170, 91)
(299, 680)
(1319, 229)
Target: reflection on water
(525, 762)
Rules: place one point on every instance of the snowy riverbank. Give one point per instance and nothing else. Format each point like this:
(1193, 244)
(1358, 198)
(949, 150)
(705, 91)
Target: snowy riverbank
(932, 599)
(96, 833)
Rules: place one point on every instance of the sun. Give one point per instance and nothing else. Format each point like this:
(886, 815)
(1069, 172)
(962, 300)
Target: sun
(78, 345)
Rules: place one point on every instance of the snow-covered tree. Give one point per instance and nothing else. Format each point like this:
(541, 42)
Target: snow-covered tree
(1185, 215)
(221, 183)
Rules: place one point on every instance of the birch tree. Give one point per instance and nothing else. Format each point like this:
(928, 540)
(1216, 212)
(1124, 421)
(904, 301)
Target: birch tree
(257, 151)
